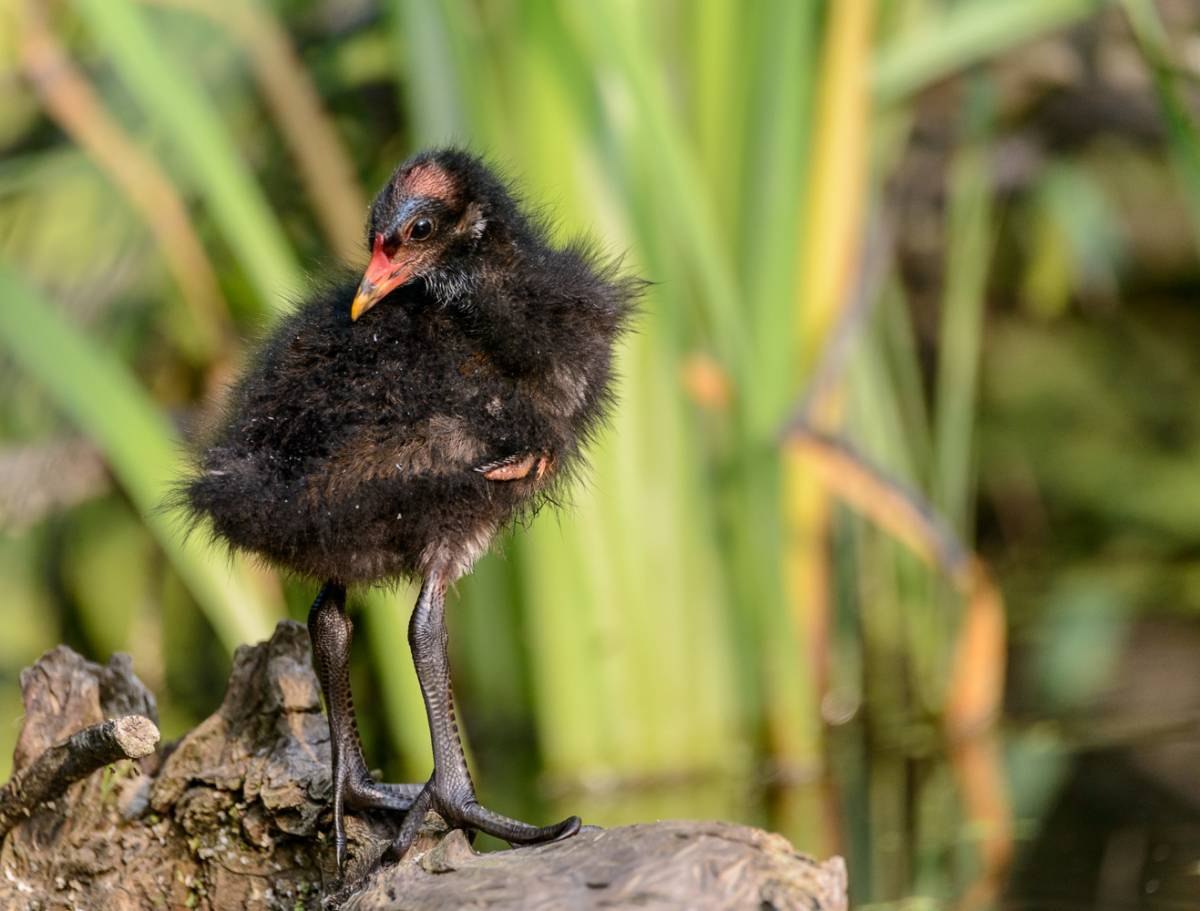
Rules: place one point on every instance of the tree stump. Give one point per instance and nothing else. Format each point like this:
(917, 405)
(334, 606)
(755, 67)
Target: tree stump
(236, 815)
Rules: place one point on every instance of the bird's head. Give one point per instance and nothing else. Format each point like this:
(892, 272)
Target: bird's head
(429, 223)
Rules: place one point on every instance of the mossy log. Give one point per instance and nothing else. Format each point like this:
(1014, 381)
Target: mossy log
(236, 815)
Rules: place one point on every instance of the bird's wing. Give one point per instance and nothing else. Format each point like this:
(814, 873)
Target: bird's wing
(436, 447)
(517, 467)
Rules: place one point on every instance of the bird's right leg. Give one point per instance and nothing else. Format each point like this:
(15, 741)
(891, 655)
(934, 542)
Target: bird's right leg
(353, 788)
(450, 790)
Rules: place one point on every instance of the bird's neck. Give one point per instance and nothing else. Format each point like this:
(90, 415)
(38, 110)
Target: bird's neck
(482, 276)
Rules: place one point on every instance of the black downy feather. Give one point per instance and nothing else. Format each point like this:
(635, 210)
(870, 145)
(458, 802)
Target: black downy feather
(353, 451)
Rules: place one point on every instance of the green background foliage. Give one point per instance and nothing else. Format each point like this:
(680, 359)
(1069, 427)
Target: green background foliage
(722, 623)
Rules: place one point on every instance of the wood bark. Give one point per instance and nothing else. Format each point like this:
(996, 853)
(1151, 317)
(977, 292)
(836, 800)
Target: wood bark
(236, 815)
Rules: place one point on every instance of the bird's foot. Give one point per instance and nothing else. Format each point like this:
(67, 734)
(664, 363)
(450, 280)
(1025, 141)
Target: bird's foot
(359, 791)
(459, 808)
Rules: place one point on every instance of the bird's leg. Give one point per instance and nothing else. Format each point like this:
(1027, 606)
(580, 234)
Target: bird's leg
(353, 788)
(450, 791)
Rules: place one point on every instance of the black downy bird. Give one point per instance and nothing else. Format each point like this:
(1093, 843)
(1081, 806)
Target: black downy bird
(390, 431)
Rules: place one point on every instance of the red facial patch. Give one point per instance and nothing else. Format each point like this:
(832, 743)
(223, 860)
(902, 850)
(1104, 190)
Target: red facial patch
(428, 180)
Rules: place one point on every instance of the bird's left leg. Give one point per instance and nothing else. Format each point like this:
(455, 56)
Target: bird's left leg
(450, 791)
(353, 787)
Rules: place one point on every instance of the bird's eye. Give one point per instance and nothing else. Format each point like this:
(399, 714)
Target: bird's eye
(420, 229)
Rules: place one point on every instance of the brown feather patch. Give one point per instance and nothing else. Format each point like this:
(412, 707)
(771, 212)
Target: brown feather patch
(430, 180)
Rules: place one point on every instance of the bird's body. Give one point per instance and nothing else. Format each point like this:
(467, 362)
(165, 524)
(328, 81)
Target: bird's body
(352, 450)
(393, 431)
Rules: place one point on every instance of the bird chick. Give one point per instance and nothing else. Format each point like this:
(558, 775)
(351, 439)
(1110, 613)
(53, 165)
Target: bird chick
(390, 429)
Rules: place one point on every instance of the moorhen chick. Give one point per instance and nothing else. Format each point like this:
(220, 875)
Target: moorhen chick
(391, 431)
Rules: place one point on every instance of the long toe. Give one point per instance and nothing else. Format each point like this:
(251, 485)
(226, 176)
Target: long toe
(473, 816)
(466, 813)
(367, 794)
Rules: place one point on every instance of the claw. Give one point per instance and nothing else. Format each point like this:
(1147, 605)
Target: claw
(339, 830)
(468, 814)
(364, 793)
(339, 843)
(513, 831)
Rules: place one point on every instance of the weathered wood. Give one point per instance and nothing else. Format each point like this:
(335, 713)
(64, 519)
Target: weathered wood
(81, 754)
(235, 815)
(664, 865)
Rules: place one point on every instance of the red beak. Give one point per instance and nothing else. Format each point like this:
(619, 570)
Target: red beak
(381, 277)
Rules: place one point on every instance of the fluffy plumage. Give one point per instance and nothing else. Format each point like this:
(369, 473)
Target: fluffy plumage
(368, 450)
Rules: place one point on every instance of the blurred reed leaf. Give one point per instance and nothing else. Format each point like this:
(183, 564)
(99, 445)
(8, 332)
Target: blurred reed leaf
(774, 192)
(446, 72)
(1075, 244)
(829, 254)
(104, 534)
(322, 162)
(1178, 106)
(965, 34)
(170, 96)
(78, 109)
(1083, 630)
(100, 395)
(27, 613)
(969, 239)
(654, 145)
(52, 205)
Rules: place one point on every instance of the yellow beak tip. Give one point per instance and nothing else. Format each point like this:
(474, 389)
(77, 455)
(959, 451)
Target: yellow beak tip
(362, 303)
